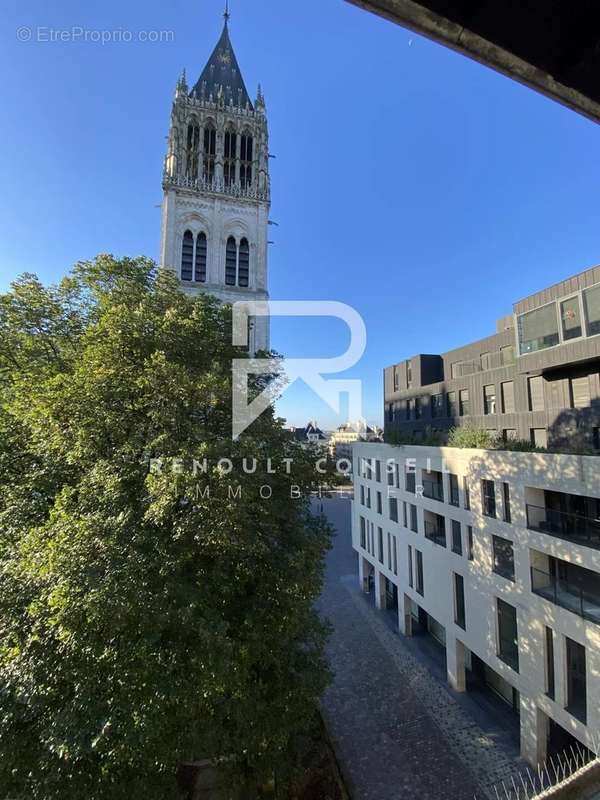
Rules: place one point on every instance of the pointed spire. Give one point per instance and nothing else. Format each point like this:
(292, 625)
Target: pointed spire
(222, 70)
(226, 15)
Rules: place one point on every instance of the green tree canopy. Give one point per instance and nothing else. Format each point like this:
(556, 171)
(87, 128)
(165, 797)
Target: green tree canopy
(148, 616)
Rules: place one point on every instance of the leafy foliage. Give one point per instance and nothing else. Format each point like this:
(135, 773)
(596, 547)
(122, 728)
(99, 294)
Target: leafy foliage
(144, 621)
(470, 435)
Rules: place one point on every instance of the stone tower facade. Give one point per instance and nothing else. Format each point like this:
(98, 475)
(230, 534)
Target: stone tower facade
(216, 189)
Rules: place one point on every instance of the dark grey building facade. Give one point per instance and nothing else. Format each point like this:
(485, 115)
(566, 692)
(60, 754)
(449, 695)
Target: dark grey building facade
(536, 378)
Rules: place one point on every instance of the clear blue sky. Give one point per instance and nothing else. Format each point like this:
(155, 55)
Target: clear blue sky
(419, 187)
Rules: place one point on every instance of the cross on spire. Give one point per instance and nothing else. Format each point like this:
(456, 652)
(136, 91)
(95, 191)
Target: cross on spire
(226, 15)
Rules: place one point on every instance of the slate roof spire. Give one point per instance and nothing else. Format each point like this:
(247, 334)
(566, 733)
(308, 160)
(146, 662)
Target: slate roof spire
(221, 76)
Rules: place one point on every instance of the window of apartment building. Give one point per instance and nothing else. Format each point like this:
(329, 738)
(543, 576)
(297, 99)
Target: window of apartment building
(459, 601)
(489, 399)
(396, 379)
(507, 391)
(409, 374)
(576, 680)
(437, 405)
(470, 554)
(485, 360)
(454, 495)
(378, 471)
(456, 538)
(504, 558)
(362, 495)
(409, 409)
(538, 437)
(368, 497)
(405, 517)
(451, 404)
(393, 501)
(419, 563)
(410, 482)
(536, 393)
(395, 556)
(410, 567)
(363, 535)
(507, 354)
(418, 408)
(509, 434)
(454, 369)
(508, 639)
(389, 550)
(596, 438)
(391, 465)
(467, 494)
(435, 529)
(390, 412)
(380, 544)
(464, 404)
(538, 329)
(488, 498)
(379, 503)
(570, 316)
(506, 498)
(550, 689)
(579, 389)
(413, 519)
(591, 304)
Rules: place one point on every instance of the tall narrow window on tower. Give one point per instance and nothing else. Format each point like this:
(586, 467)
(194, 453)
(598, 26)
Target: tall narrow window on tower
(246, 160)
(210, 150)
(244, 263)
(187, 256)
(200, 259)
(230, 154)
(231, 262)
(192, 152)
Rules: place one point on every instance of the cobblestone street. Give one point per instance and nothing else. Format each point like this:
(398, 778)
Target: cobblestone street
(399, 732)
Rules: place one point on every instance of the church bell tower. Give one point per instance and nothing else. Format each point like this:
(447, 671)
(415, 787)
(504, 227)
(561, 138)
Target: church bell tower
(216, 190)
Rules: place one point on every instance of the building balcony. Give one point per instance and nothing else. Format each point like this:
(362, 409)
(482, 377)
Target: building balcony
(433, 486)
(573, 527)
(435, 530)
(566, 594)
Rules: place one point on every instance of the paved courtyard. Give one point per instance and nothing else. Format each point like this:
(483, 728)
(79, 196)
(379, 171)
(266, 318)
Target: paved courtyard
(398, 730)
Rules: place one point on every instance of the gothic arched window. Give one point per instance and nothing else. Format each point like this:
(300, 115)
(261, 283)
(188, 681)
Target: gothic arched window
(230, 155)
(237, 263)
(192, 151)
(187, 256)
(200, 258)
(210, 150)
(244, 263)
(231, 262)
(246, 155)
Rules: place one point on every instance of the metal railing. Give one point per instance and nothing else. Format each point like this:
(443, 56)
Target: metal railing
(566, 594)
(565, 525)
(435, 532)
(433, 490)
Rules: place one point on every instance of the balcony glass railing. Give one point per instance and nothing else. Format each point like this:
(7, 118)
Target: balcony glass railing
(566, 594)
(434, 490)
(435, 532)
(573, 527)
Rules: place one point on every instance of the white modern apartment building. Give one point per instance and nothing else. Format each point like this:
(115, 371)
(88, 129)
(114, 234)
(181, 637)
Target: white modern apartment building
(470, 547)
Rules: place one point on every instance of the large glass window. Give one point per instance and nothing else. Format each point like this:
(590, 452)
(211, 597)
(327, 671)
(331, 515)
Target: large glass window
(488, 498)
(591, 304)
(570, 317)
(437, 405)
(508, 397)
(456, 538)
(576, 680)
(420, 584)
(508, 639)
(538, 329)
(489, 399)
(504, 558)
(459, 601)
(454, 495)
(464, 403)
